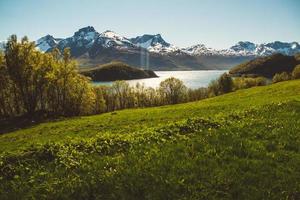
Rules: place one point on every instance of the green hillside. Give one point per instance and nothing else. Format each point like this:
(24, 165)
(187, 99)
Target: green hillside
(242, 145)
(266, 66)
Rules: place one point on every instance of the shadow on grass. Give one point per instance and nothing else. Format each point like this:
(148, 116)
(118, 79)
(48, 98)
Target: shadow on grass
(26, 121)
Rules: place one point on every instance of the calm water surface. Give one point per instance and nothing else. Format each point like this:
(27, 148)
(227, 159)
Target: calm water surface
(192, 79)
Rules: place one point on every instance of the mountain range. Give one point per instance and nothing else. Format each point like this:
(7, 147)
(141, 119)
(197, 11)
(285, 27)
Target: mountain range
(92, 48)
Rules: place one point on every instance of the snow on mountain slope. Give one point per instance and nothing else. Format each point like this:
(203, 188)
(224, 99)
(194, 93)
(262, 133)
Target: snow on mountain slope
(86, 38)
(199, 49)
(47, 42)
(247, 49)
(154, 43)
(113, 39)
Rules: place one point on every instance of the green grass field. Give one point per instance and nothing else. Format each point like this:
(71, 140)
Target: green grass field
(242, 145)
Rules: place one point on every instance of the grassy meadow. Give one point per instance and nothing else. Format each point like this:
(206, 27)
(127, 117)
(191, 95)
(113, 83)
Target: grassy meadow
(241, 145)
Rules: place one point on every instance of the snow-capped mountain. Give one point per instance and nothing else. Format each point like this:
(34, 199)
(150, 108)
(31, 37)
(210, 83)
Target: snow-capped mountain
(247, 49)
(279, 47)
(113, 39)
(87, 38)
(47, 42)
(93, 48)
(199, 49)
(80, 42)
(154, 43)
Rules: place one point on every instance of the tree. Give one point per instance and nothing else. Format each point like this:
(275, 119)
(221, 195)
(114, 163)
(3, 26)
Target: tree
(213, 88)
(69, 93)
(123, 94)
(197, 94)
(140, 95)
(80, 98)
(42, 81)
(225, 84)
(173, 91)
(100, 103)
(284, 76)
(23, 62)
(296, 72)
(5, 89)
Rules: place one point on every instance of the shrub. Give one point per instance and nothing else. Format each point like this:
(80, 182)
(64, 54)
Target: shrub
(245, 82)
(220, 86)
(284, 76)
(225, 84)
(296, 72)
(197, 94)
(213, 88)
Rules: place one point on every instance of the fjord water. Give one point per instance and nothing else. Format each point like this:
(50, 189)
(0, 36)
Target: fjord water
(192, 79)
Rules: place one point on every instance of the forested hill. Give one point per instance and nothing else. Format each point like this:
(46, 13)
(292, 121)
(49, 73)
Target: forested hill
(267, 66)
(117, 71)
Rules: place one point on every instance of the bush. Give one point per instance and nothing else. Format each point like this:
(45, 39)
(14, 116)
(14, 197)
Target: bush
(244, 82)
(296, 72)
(197, 94)
(284, 76)
(225, 83)
(213, 88)
(220, 86)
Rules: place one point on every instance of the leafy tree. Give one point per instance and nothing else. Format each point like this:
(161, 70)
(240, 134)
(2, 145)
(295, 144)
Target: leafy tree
(296, 72)
(42, 81)
(173, 91)
(100, 103)
(284, 76)
(225, 84)
(23, 63)
(123, 94)
(6, 97)
(140, 95)
(213, 88)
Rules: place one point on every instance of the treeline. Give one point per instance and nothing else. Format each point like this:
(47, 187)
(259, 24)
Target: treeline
(49, 83)
(285, 76)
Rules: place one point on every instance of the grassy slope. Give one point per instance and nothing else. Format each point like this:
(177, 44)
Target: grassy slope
(243, 145)
(128, 121)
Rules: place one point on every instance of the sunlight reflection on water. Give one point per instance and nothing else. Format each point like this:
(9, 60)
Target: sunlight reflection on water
(192, 79)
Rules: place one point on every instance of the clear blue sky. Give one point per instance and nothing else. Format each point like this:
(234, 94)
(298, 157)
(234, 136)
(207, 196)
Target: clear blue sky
(216, 23)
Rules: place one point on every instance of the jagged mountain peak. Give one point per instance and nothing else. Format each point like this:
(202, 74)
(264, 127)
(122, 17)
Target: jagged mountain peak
(243, 46)
(198, 49)
(154, 43)
(47, 37)
(47, 42)
(87, 37)
(85, 30)
(112, 35)
(109, 33)
(195, 47)
(280, 45)
(147, 40)
(85, 34)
